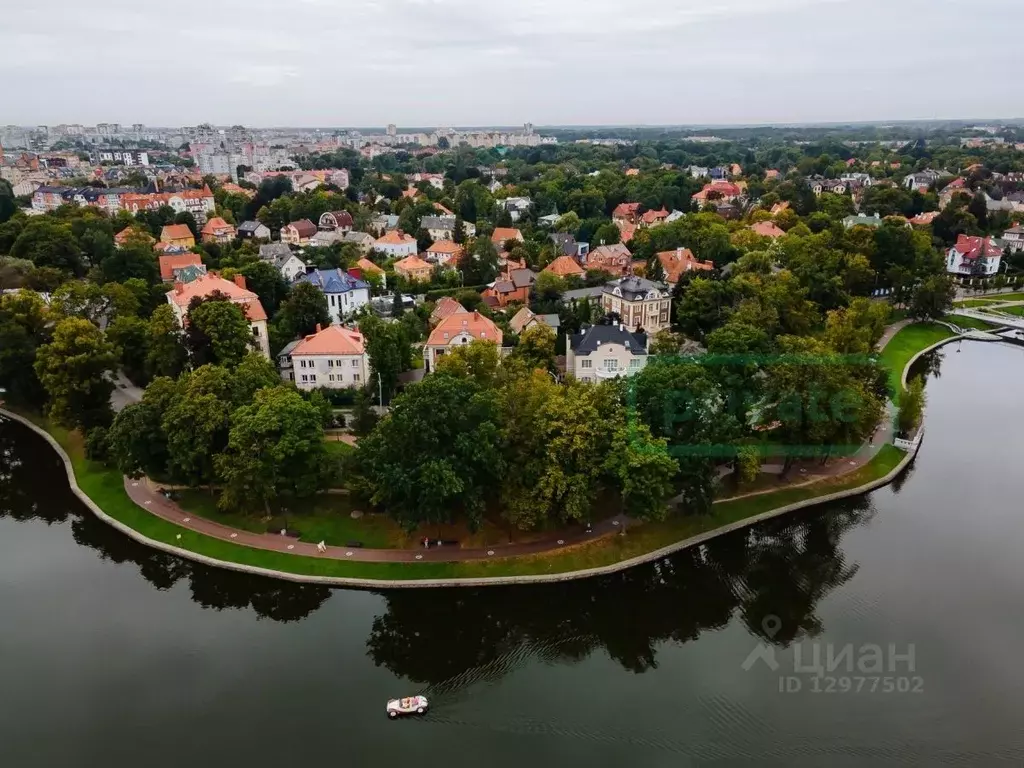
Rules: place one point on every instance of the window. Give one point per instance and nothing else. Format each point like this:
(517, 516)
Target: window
(634, 363)
(586, 363)
(330, 363)
(355, 363)
(611, 364)
(330, 377)
(305, 377)
(302, 364)
(356, 377)
(313, 378)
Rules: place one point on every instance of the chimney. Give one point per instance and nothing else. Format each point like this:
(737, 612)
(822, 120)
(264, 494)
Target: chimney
(318, 328)
(240, 281)
(179, 287)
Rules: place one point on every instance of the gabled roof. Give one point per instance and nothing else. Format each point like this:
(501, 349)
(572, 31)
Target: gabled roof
(923, 219)
(446, 306)
(332, 280)
(971, 248)
(271, 251)
(249, 226)
(395, 237)
(564, 266)
(625, 210)
(412, 263)
(303, 227)
(522, 278)
(437, 222)
(472, 323)
(175, 232)
(332, 340)
(445, 246)
(341, 218)
(633, 288)
(520, 319)
(652, 217)
(368, 266)
(767, 229)
(590, 338)
(215, 225)
(211, 283)
(176, 261)
(501, 234)
(675, 263)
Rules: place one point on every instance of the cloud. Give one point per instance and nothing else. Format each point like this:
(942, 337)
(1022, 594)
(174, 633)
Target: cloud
(466, 62)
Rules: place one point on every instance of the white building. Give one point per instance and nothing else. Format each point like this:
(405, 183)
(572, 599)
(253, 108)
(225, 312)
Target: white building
(973, 256)
(396, 244)
(345, 294)
(600, 352)
(237, 293)
(334, 357)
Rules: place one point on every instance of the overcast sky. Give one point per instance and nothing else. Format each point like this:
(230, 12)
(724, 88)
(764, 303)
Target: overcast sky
(483, 62)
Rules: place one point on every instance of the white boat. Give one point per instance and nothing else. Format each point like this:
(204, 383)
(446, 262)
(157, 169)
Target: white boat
(410, 705)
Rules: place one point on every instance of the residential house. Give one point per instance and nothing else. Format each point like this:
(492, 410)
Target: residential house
(614, 259)
(767, 229)
(627, 212)
(780, 207)
(956, 186)
(973, 256)
(564, 266)
(819, 185)
(525, 318)
(638, 302)
(512, 287)
(367, 267)
(283, 259)
(516, 206)
(233, 189)
(298, 232)
(601, 352)
(253, 230)
(334, 357)
(345, 294)
(772, 174)
(443, 227)
(920, 182)
(216, 230)
(455, 331)
(550, 220)
(172, 264)
(396, 244)
(675, 263)
(924, 219)
(856, 180)
(446, 306)
(364, 240)
(235, 291)
(718, 190)
(414, 268)
(735, 170)
(699, 171)
(653, 218)
(566, 244)
(862, 221)
(632, 171)
(326, 238)
(502, 235)
(445, 253)
(384, 223)
(436, 180)
(177, 234)
(1014, 239)
(132, 233)
(336, 221)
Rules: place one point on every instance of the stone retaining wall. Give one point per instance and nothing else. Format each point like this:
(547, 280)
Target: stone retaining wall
(340, 581)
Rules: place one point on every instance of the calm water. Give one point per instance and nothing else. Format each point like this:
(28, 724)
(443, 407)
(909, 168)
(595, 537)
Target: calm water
(114, 656)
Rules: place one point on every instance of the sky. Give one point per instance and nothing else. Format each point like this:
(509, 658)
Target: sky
(433, 63)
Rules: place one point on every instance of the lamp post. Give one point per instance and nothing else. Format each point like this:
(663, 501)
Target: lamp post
(380, 391)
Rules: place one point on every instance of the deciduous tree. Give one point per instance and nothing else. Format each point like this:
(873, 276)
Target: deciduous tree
(75, 369)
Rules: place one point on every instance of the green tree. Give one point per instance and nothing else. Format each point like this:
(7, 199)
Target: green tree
(166, 354)
(644, 470)
(388, 349)
(263, 279)
(134, 259)
(364, 418)
(275, 449)
(480, 266)
(704, 306)
(8, 205)
(217, 332)
(912, 403)
(477, 360)
(24, 326)
(136, 441)
(436, 456)
(75, 369)
(130, 336)
(303, 310)
(932, 298)
(536, 349)
(48, 243)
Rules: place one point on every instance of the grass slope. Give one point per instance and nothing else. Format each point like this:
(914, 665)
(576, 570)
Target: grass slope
(105, 487)
(971, 322)
(904, 345)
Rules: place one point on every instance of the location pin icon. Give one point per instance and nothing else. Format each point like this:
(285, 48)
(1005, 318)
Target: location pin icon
(771, 624)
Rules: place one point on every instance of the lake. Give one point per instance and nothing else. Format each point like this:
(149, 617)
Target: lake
(112, 655)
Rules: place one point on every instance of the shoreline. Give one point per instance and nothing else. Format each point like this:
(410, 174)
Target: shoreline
(540, 578)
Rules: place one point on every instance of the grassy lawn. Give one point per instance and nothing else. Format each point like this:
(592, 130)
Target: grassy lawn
(105, 487)
(907, 343)
(1017, 311)
(1003, 297)
(971, 322)
(974, 303)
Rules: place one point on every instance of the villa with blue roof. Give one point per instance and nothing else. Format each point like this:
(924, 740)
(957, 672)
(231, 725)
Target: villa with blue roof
(345, 294)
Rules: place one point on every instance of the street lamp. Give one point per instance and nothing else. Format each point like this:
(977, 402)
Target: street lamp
(380, 391)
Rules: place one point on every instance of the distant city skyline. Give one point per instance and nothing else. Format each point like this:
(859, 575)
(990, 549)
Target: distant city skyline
(432, 63)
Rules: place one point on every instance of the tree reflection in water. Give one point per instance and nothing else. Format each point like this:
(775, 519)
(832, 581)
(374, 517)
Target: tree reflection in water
(451, 638)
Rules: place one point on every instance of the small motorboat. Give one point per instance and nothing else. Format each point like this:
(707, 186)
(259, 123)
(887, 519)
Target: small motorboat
(410, 705)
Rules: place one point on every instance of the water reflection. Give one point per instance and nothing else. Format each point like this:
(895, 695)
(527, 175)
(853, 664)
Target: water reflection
(448, 639)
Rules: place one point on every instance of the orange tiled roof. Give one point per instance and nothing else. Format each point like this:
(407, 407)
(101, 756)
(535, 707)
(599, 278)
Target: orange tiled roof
(175, 232)
(651, 217)
(332, 340)
(211, 283)
(129, 232)
(368, 266)
(395, 237)
(767, 229)
(501, 234)
(473, 324)
(625, 210)
(171, 262)
(412, 264)
(446, 307)
(445, 246)
(215, 224)
(674, 263)
(564, 266)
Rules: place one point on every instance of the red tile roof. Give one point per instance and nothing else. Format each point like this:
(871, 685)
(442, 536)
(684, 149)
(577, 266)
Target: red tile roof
(473, 324)
(625, 210)
(208, 284)
(215, 225)
(652, 217)
(332, 340)
(445, 246)
(971, 248)
(172, 262)
(395, 237)
(767, 229)
(445, 307)
(675, 263)
(303, 227)
(501, 234)
(175, 232)
(368, 266)
(564, 266)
